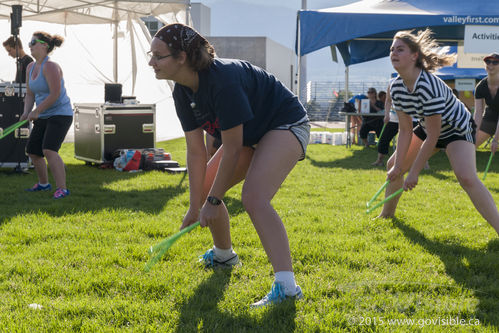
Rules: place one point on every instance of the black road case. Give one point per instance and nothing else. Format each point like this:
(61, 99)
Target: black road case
(100, 129)
(13, 146)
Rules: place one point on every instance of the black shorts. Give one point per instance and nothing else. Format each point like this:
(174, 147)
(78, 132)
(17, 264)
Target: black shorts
(442, 143)
(48, 134)
(488, 126)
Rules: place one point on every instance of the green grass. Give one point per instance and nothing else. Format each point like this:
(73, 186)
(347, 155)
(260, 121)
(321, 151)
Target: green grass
(82, 258)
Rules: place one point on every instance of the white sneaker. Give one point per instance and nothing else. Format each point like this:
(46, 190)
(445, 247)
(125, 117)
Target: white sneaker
(276, 296)
(210, 260)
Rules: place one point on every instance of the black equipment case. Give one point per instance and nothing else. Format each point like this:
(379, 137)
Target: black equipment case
(100, 129)
(13, 146)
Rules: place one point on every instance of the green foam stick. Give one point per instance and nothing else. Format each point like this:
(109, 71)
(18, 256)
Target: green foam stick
(380, 134)
(15, 126)
(161, 248)
(377, 194)
(488, 165)
(12, 128)
(388, 198)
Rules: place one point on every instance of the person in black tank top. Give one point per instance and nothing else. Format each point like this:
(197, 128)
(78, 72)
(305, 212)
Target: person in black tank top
(24, 59)
(487, 99)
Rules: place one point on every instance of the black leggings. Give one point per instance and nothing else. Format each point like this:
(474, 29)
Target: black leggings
(389, 133)
(48, 133)
(371, 125)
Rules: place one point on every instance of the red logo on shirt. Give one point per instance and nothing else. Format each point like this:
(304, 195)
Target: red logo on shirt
(210, 127)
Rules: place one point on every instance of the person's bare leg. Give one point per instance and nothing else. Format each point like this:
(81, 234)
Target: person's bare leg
(221, 230)
(40, 168)
(462, 158)
(276, 155)
(56, 166)
(481, 137)
(380, 160)
(390, 207)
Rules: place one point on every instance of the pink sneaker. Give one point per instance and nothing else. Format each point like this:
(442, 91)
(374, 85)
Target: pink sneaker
(61, 193)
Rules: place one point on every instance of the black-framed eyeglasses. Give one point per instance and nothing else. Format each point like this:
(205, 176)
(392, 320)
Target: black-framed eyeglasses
(35, 40)
(157, 57)
(492, 62)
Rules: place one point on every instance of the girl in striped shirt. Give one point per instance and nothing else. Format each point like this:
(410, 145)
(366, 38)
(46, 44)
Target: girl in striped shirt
(444, 122)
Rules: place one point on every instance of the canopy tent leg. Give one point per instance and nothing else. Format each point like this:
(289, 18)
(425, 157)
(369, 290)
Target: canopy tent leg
(115, 42)
(298, 60)
(347, 118)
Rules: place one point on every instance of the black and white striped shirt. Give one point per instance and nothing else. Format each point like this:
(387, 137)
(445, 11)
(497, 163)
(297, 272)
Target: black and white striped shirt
(432, 96)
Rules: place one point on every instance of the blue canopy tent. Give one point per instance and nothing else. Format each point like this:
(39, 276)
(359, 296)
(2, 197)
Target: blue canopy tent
(363, 30)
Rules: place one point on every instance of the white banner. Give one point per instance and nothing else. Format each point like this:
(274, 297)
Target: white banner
(481, 39)
(464, 84)
(469, 60)
(364, 106)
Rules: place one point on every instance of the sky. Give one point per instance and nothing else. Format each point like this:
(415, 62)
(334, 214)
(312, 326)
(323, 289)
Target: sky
(276, 19)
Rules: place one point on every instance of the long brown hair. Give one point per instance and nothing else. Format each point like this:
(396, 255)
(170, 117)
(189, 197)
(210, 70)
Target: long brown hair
(430, 57)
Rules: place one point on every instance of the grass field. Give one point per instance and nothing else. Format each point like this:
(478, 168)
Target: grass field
(82, 258)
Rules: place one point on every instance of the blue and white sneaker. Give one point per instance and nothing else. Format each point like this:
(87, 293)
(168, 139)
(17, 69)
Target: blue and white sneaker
(37, 188)
(276, 296)
(210, 260)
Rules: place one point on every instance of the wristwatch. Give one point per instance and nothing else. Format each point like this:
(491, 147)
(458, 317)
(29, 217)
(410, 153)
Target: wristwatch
(214, 200)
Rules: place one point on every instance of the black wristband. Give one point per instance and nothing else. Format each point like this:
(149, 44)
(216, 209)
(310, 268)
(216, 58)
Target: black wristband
(214, 200)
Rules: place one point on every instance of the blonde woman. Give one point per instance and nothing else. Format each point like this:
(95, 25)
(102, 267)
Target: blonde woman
(444, 122)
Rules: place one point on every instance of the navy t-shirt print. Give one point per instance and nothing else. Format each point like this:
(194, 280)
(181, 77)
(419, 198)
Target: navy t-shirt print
(234, 92)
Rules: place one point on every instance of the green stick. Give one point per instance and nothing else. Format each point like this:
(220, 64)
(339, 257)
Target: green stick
(12, 128)
(488, 165)
(162, 247)
(377, 194)
(380, 134)
(388, 198)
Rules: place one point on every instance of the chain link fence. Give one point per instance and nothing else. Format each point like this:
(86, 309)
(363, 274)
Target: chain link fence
(324, 99)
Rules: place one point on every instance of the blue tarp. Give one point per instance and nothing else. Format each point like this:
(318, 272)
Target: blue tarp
(376, 21)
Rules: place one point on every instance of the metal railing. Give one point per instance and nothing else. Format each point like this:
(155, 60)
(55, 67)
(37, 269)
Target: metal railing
(324, 99)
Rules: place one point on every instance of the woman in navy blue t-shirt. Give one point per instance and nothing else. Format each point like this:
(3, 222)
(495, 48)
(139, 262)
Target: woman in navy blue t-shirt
(264, 131)
(444, 122)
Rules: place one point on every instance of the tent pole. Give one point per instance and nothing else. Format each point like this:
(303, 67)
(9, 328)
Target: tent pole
(115, 43)
(347, 72)
(188, 12)
(298, 59)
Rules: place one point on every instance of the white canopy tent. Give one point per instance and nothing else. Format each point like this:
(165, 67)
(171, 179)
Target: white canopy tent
(105, 42)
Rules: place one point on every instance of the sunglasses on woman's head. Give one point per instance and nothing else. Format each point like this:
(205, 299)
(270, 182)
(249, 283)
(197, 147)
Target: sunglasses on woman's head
(34, 41)
(492, 62)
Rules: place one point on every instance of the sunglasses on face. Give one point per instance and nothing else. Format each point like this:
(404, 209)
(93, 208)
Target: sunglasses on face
(34, 41)
(492, 62)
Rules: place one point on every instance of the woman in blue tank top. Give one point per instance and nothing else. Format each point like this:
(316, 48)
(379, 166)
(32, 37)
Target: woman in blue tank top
(52, 115)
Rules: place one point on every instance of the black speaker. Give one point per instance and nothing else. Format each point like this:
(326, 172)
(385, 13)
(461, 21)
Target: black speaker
(16, 18)
(112, 92)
